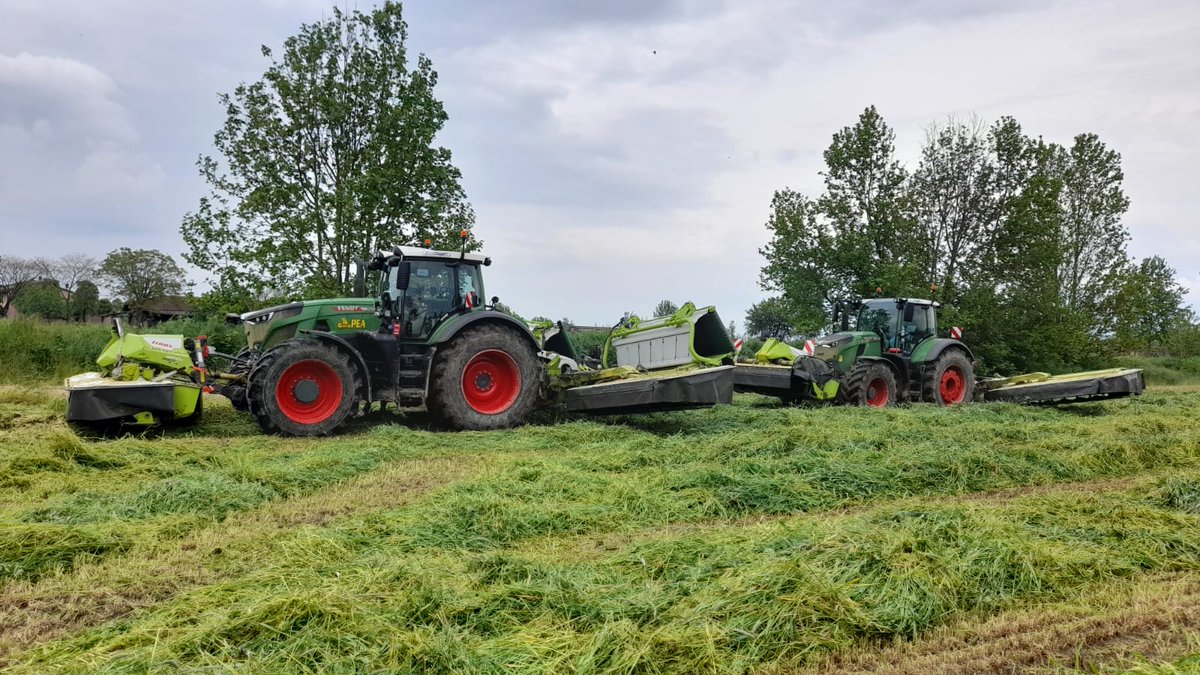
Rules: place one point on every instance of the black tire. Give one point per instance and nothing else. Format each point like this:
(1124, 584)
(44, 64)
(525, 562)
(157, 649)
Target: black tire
(950, 380)
(237, 397)
(507, 378)
(302, 387)
(871, 383)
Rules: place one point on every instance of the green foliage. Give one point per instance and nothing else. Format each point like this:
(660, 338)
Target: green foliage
(1148, 306)
(142, 276)
(327, 158)
(589, 343)
(664, 308)
(85, 301)
(773, 318)
(222, 335)
(1021, 240)
(42, 300)
(36, 351)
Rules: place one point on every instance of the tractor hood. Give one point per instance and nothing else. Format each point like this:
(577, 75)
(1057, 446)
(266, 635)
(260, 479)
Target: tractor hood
(266, 328)
(834, 347)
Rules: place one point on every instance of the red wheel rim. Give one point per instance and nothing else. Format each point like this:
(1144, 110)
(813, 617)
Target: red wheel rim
(953, 386)
(491, 382)
(309, 392)
(877, 393)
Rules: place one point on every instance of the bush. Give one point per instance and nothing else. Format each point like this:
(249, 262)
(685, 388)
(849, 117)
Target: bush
(589, 343)
(1161, 370)
(222, 336)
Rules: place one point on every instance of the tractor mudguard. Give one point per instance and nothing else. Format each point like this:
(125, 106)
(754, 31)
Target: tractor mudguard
(894, 363)
(343, 344)
(929, 350)
(455, 325)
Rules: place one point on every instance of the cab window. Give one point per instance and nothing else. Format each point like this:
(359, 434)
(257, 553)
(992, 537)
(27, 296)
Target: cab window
(432, 294)
(879, 318)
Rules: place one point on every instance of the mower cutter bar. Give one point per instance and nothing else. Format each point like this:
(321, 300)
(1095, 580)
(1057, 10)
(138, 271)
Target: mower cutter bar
(1071, 388)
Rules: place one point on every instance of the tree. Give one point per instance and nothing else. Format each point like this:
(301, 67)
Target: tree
(732, 330)
(1149, 304)
(800, 261)
(770, 318)
(327, 158)
(15, 274)
(140, 276)
(1092, 235)
(865, 204)
(953, 201)
(84, 302)
(70, 271)
(665, 308)
(43, 299)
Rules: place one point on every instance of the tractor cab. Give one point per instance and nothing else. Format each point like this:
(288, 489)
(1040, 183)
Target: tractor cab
(419, 288)
(900, 323)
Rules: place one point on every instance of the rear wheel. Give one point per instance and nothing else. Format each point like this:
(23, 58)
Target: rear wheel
(950, 380)
(871, 383)
(302, 388)
(486, 378)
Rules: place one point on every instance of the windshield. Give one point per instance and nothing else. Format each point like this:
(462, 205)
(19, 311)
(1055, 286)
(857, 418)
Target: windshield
(879, 316)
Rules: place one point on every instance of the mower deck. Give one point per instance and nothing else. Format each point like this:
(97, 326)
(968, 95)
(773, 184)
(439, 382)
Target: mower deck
(769, 380)
(94, 398)
(1074, 387)
(655, 392)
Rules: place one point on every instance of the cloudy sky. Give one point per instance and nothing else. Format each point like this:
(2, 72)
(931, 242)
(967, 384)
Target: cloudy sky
(616, 152)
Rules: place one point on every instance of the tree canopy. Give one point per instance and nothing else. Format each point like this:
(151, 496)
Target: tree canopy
(142, 275)
(328, 157)
(1022, 241)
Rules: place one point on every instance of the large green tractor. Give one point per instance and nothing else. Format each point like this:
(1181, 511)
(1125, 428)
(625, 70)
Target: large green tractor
(892, 355)
(427, 342)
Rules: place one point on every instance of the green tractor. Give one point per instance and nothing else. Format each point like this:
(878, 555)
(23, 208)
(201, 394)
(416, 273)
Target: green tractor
(893, 355)
(426, 342)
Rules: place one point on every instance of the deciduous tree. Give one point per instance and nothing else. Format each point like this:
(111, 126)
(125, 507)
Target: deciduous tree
(15, 274)
(328, 157)
(142, 275)
(665, 308)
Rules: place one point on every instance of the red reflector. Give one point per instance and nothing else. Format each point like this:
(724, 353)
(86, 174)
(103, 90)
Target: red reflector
(396, 329)
(894, 350)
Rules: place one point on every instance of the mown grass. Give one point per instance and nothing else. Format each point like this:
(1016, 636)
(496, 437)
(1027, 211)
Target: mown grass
(739, 538)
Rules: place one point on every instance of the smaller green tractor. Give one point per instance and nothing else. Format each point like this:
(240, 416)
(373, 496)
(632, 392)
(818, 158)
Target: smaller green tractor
(892, 355)
(895, 355)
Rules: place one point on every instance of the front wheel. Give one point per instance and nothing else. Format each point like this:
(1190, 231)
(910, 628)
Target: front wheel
(950, 381)
(488, 377)
(871, 383)
(302, 388)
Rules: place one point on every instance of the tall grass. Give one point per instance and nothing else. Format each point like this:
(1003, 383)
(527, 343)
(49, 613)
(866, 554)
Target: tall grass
(1165, 370)
(32, 351)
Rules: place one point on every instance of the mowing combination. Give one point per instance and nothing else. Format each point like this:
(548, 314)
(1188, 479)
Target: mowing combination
(428, 342)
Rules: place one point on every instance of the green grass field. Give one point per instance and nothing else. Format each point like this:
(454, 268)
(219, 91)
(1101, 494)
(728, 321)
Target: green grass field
(743, 538)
